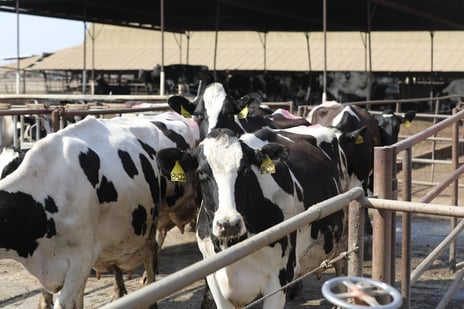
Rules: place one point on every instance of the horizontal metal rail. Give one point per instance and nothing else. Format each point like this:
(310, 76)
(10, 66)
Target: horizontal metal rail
(415, 207)
(83, 97)
(154, 292)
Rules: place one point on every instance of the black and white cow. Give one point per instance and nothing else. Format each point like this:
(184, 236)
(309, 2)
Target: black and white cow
(213, 108)
(239, 200)
(382, 130)
(87, 197)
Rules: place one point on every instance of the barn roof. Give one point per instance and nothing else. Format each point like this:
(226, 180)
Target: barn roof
(125, 48)
(256, 15)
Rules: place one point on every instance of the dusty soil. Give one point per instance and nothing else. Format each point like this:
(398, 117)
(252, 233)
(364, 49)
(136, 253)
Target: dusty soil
(21, 290)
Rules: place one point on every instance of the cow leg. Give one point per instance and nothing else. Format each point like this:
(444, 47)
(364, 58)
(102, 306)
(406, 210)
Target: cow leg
(277, 300)
(160, 237)
(151, 262)
(72, 294)
(45, 300)
(119, 289)
(220, 301)
(208, 300)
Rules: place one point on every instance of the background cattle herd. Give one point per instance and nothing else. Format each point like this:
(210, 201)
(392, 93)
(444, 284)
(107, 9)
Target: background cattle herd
(102, 193)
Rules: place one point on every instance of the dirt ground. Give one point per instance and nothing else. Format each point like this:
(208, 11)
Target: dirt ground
(21, 290)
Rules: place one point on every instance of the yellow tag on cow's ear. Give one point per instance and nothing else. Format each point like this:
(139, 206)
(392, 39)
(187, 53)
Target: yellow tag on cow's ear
(267, 166)
(243, 113)
(407, 123)
(184, 112)
(177, 173)
(359, 140)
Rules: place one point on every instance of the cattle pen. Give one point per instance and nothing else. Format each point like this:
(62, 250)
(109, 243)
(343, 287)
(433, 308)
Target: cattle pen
(383, 207)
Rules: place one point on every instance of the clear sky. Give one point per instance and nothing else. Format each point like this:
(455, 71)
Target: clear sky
(37, 35)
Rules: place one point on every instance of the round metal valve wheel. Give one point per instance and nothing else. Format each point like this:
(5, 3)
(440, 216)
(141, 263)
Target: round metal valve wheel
(364, 292)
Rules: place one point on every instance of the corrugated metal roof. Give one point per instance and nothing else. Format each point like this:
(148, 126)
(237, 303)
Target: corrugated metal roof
(123, 48)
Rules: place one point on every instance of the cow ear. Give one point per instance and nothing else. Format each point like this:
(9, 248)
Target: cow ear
(268, 154)
(247, 103)
(175, 163)
(182, 106)
(356, 136)
(408, 118)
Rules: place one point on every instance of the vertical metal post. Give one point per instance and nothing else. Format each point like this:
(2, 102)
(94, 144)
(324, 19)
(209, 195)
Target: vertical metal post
(356, 219)
(15, 135)
(454, 196)
(381, 244)
(406, 232)
(55, 120)
(162, 77)
(216, 40)
(92, 85)
(18, 69)
(84, 60)
(187, 53)
(324, 29)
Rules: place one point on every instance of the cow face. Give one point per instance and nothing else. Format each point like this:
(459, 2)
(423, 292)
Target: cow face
(390, 123)
(214, 108)
(226, 169)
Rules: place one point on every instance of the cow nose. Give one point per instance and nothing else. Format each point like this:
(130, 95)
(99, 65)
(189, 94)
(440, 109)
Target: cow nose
(229, 228)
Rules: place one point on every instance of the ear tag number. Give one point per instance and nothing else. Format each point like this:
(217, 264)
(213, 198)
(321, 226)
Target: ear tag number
(184, 112)
(407, 123)
(359, 140)
(177, 173)
(267, 166)
(243, 113)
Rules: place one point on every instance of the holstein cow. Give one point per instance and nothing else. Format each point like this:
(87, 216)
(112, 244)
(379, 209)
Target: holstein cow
(249, 184)
(455, 87)
(354, 83)
(87, 197)
(213, 108)
(382, 130)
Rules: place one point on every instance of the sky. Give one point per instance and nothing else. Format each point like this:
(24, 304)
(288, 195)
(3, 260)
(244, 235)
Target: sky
(37, 35)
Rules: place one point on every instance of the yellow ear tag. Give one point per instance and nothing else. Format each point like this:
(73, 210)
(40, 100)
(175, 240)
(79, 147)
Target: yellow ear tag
(184, 112)
(177, 173)
(359, 140)
(243, 113)
(407, 123)
(267, 166)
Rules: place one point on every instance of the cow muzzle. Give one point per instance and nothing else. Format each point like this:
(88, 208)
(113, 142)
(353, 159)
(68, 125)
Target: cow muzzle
(228, 226)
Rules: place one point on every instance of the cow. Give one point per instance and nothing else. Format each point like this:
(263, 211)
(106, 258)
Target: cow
(248, 184)
(213, 108)
(99, 203)
(340, 84)
(382, 130)
(455, 88)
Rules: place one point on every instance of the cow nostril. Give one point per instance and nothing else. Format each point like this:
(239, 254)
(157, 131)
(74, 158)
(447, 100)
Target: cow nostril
(229, 228)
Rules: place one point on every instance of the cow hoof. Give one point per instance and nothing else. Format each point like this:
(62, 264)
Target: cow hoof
(45, 301)
(143, 280)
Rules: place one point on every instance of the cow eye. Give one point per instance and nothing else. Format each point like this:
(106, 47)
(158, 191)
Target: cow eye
(202, 175)
(198, 117)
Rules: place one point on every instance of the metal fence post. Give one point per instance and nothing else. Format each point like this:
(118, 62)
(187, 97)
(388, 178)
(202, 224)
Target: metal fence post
(382, 263)
(356, 238)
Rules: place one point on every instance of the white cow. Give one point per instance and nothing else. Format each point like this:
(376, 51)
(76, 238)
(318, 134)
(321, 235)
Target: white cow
(87, 197)
(349, 83)
(456, 87)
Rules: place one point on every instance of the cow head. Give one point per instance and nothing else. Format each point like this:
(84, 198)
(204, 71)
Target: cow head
(213, 108)
(390, 123)
(223, 164)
